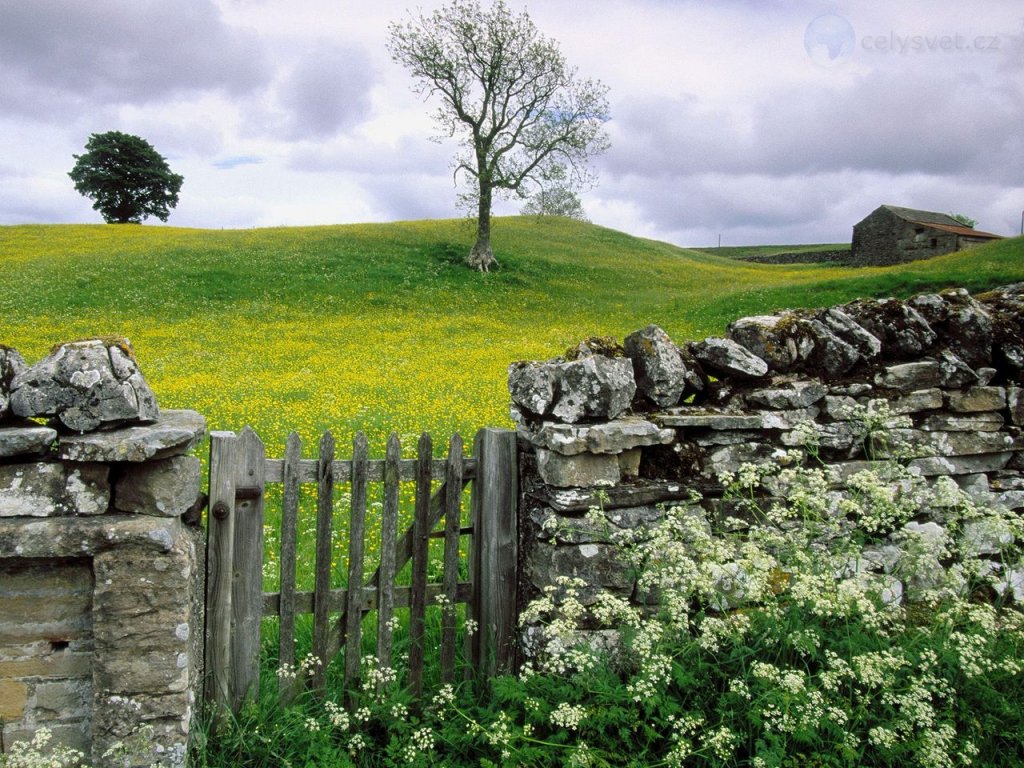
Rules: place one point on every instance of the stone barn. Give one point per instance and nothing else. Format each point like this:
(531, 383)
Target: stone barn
(892, 235)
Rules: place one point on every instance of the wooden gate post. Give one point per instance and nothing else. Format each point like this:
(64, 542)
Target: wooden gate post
(247, 569)
(494, 557)
(234, 569)
(220, 545)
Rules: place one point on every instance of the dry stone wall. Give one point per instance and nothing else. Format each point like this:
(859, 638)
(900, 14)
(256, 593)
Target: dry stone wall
(635, 426)
(100, 556)
(834, 255)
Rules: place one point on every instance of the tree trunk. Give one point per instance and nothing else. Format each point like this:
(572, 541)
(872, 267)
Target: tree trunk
(482, 256)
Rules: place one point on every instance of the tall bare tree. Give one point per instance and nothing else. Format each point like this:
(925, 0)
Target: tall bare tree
(507, 93)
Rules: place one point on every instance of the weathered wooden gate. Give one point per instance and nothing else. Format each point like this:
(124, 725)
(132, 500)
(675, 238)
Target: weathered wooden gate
(236, 603)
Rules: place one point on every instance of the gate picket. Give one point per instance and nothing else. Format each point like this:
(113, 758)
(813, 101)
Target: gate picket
(357, 532)
(388, 535)
(239, 471)
(322, 577)
(420, 539)
(289, 541)
(452, 527)
(220, 548)
(247, 571)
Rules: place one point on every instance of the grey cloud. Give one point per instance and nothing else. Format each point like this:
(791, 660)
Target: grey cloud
(408, 180)
(808, 208)
(35, 212)
(173, 128)
(725, 202)
(887, 122)
(59, 54)
(893, 124)
(27, 200)
(410, 155)
(1014, 61)
(11, 172)
(412, 197)
(327, 92)
(668, 136)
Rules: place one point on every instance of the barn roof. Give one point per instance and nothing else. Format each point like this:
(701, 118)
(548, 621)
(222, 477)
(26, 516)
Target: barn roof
(923, 217)
(941, 221)
(960, 229)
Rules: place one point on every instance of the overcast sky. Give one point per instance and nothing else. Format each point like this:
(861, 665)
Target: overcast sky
(756, 122)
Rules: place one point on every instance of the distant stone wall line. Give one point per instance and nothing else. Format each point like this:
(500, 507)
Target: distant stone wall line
(835, 255)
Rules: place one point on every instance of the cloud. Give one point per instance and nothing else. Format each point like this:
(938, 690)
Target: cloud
(667, 136)
(812, 155)
(412, 196)
(720, 201)
(370, 155)
(200, 125)
(802, 208)
(406, 178)
(907, 124)
(216, 211)
(60, 56)
(30, 198)
(326, 92)
(279, 112)
(912, 123)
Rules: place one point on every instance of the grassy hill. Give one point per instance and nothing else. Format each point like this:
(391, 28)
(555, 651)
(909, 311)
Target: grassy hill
(379, 326)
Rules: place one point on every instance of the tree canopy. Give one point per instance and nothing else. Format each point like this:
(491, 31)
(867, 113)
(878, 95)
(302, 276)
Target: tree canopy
(964, 219)
(127, 179)
(506, 92)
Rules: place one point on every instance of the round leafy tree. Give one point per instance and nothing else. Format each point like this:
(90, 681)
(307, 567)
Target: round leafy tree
(126, 178)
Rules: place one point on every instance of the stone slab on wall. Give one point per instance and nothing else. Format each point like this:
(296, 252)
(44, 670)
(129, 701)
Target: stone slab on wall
(46, 489)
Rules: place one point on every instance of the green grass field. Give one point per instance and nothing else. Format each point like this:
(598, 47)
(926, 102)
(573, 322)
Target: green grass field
(379, 327)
